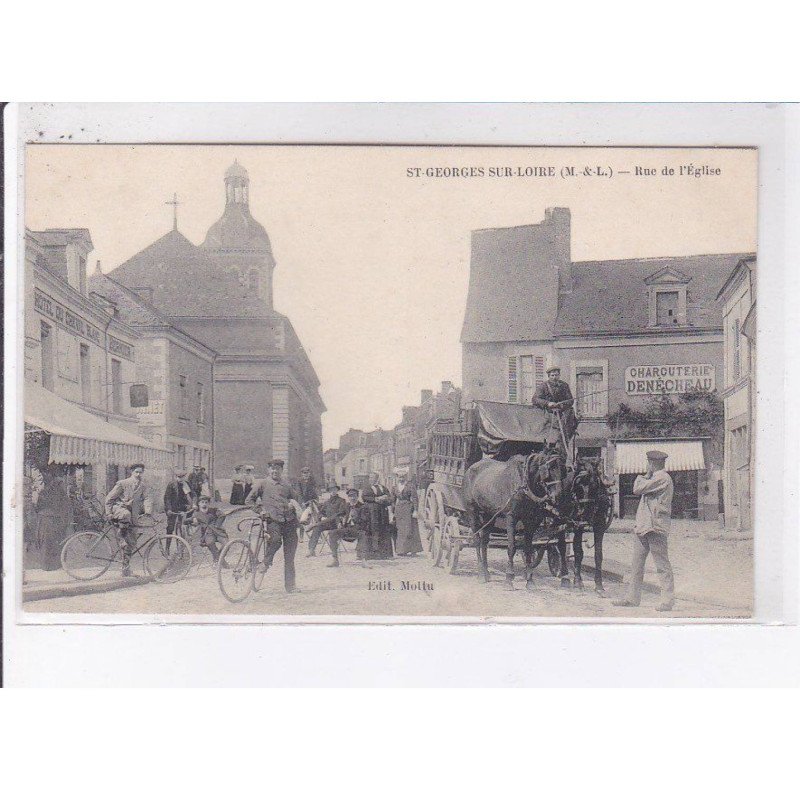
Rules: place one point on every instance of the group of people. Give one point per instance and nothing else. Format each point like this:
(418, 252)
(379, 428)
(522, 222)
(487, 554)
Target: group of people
(366, 519)
(382, 522)
(187, 495)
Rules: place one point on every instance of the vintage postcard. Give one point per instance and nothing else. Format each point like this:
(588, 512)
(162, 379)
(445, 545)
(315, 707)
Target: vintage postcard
(374, 383)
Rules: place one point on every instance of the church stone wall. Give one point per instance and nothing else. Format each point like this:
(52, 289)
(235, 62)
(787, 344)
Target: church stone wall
(232, 335)
(243, 422)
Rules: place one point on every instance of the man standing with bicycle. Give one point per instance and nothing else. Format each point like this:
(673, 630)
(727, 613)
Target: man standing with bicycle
(125, 503)
(178, 499)
(280, 509)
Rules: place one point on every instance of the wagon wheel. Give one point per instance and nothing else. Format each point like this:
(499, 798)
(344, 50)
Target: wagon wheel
(434, 511)
(452, 530)
(428, 515)
(450, 533)
(553, 560)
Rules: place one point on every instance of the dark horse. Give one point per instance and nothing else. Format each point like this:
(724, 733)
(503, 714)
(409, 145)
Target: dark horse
(591, 508)
(523, 489)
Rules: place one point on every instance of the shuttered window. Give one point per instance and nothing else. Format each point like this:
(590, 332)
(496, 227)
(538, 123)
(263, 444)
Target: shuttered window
(512, 379)
(591, 397)
(525, 375)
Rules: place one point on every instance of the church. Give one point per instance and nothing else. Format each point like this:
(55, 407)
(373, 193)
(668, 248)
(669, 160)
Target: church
(266, 402)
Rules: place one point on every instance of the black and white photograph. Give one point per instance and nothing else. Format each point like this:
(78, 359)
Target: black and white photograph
(377, 383)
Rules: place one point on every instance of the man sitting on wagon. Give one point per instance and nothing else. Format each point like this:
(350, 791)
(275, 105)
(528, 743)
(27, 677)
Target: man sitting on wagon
(555, 397)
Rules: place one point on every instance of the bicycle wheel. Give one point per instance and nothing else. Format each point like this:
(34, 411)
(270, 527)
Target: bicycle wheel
(236, 570)
(168, 558)
(87, 555)
(258, 570)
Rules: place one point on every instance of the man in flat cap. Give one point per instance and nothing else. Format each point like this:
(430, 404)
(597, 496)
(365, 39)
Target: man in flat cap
(555, 397)
(198, 481)
(178, 499)
(354, 527)
(653, 521)
(278, 504)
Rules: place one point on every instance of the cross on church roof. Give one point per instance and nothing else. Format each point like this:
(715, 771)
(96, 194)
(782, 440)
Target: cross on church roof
(174, 203)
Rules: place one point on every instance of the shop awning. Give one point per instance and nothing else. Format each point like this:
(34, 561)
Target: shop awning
(78, 437)
(683, 455)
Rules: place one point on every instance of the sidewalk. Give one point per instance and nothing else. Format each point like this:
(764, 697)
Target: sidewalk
(39, 584)
(710, 565)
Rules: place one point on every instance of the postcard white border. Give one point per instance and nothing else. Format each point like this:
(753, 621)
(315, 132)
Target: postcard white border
(771, 128)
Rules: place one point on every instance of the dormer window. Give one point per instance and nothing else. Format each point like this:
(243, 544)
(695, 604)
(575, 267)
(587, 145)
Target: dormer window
(666, 298)
(667, 308)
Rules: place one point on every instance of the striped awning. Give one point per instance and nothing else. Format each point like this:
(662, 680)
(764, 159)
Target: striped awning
(78, 437)
(631, 457)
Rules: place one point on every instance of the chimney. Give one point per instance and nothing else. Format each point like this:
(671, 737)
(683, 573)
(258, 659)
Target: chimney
(559, 221)
(425, 396)
(447, 387)
(97, 269)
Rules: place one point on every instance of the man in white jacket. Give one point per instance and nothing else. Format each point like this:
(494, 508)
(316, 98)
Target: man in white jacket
(653, 522)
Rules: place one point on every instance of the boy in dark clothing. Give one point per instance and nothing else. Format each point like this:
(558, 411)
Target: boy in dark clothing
(209, 526)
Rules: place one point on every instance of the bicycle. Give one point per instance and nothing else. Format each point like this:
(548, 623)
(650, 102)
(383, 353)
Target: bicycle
(87, 555)
(240, 569)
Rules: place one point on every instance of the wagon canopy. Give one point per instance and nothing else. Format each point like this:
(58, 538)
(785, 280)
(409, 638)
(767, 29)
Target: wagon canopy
(499, 423)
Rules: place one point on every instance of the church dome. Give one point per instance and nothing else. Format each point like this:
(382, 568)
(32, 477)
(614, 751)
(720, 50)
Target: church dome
(237, 230)
(236, 170)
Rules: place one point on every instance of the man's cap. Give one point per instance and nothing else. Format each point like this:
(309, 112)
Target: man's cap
(553, 368)
(656, 455)
(204, 497)
(276, 462)
(352, 492)
(248, 466)
(180, 473)
(198, 466)
(306, 469)
(239, 466)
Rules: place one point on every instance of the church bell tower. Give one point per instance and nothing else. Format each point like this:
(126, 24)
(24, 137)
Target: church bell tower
(239, 242)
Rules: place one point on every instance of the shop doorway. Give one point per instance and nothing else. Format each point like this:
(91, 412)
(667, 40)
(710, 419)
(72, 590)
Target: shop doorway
(685, 500)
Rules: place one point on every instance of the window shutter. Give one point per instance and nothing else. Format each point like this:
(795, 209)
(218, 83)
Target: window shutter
(512, 379)
(539, 377)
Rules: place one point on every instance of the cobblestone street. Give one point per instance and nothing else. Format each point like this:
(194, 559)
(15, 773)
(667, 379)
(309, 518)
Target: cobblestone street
(413, 587)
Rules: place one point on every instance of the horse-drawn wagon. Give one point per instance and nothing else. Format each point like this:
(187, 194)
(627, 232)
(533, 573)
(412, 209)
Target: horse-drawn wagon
(503, 432)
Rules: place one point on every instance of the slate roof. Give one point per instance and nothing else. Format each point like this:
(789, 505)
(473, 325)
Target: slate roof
(132, 309)
(513, 287)
(52, 243)
(612, 295)
(58, 237)
(188, 282)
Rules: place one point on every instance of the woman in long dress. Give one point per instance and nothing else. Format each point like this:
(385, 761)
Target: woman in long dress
(405, 517)
(237, 487)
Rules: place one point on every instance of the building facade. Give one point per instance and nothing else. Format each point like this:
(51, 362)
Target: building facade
(353, 468)
(266, 392)
(80, 362)
(738, 391)
(634, 338)
(178, 371)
